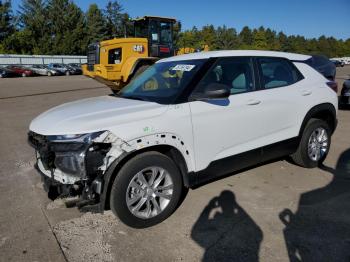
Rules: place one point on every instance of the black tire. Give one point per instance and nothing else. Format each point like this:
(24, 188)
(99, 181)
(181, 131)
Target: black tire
(125, 175)
(140, 70)
(301, 156)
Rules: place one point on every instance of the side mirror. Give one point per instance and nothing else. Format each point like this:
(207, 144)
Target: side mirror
(212, 91)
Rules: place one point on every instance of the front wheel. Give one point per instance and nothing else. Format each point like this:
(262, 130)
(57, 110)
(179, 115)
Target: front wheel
(146, 190)
(67, 73)
(24, 75)
(314, 144)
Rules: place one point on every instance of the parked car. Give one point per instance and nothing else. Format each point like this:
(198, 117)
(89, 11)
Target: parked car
(338, 63)
(62, 68)
(20, 70)
(77, 68)
(323, 65)
(184, 121)
(4, 72)
(344, 99)
(44, 70)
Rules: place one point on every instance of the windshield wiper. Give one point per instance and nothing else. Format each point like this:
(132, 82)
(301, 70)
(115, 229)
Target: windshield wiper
(135, 98)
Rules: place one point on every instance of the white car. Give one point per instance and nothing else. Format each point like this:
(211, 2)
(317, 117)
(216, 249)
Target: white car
(184, 121)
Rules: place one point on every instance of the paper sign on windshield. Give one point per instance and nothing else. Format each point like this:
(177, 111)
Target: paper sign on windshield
(185, 68)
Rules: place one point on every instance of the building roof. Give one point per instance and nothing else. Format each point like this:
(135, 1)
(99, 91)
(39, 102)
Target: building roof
(155, 17)
(228, 53)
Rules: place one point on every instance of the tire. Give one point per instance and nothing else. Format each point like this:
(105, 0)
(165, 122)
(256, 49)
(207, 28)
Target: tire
(140, 70)
(67, 73)
(24, 75)
(122, 188)
(305, 157)
(49, 73)
(1, 76)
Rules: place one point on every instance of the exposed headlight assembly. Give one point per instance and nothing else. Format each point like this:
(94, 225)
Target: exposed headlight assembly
(70, 151)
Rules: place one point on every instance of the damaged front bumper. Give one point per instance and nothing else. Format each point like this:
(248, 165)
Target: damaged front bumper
(75, 166)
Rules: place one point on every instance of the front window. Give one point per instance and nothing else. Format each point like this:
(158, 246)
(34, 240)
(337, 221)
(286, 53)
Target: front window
(115, 56)
(141, 29)
(165, 33)
(163, 82)
(235, 73)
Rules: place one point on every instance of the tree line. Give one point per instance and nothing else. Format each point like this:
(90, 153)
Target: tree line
(60, 27)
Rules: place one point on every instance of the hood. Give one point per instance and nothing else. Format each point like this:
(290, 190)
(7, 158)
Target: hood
(93, 114)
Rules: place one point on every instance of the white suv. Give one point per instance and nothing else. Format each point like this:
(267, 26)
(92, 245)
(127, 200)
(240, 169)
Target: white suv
(184, 121)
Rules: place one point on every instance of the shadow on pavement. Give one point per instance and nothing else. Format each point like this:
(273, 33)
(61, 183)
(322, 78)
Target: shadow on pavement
(226, 231)
(320, 228)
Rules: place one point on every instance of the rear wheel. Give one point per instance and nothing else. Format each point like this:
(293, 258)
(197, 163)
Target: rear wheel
(24, 75)
(67, 73)
(49, 73)
(140, 70)
(314, 144)
(146, 190)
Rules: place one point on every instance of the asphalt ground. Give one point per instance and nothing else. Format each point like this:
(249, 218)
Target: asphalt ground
(274, 212)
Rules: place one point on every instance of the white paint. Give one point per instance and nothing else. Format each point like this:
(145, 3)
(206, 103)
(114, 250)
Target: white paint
(206, 55)
(204, 131)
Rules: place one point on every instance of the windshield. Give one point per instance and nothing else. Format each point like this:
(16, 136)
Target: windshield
(163, 82)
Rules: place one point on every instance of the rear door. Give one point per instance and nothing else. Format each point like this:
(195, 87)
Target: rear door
(284, 98)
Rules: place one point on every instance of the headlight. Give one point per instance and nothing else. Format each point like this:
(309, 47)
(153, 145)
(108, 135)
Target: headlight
(70, 151)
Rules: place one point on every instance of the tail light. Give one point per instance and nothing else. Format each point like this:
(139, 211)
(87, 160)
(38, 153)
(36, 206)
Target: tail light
(333, 85)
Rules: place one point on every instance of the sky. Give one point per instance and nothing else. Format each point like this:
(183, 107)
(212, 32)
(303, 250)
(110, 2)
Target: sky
(310, 18)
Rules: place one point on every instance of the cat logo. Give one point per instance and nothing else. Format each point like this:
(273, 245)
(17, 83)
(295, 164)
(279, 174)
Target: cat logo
(138, 48)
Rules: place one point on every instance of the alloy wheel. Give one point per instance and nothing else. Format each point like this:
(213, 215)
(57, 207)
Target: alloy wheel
(149, 192)
(318, 144)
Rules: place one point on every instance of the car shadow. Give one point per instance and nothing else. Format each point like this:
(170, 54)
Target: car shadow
(226, 231)
(320, 228)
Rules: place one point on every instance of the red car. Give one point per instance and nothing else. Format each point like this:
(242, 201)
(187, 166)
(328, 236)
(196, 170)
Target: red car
(20, 71)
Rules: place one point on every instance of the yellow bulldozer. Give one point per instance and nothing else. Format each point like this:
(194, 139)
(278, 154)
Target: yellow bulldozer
(117, 61)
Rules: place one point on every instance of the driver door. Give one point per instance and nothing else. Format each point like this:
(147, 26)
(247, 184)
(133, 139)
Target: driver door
(226, 127)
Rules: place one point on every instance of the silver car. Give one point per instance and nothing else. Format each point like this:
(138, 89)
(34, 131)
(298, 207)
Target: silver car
(44, 70)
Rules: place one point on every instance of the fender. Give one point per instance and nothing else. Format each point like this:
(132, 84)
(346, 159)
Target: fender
(131, 64)
(325, 111)
(178, 151)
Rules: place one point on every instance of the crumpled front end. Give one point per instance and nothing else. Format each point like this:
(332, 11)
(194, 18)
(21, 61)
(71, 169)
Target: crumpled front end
(75, 165)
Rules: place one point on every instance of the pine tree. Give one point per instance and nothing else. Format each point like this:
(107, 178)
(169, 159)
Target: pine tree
(95, 24)
(66, 28)
(32, 18)
(226, 38)
(6, 25)
(115, 19)
(246, 38)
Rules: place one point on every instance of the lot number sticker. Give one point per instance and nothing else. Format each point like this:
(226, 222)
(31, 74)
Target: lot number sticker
(185, 68)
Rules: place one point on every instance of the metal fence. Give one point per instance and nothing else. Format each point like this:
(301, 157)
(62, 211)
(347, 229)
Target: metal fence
(40, 59)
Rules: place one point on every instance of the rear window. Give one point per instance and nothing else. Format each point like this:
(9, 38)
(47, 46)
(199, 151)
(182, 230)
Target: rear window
(278, 72)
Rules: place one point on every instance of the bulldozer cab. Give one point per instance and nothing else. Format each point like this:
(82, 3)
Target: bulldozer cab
(159, 33)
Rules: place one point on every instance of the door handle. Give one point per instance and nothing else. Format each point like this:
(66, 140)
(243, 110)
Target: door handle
(306, 92)
(253, 102)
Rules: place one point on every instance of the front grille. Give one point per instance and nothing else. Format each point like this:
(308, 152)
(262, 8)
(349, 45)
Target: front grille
(93, 56)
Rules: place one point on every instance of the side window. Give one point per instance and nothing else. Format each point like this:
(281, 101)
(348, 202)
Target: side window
(115, 56)
(154, 31)
(235, 73)
(278, 72)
